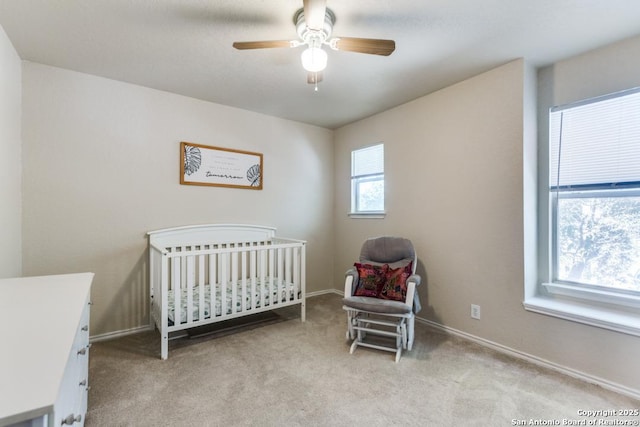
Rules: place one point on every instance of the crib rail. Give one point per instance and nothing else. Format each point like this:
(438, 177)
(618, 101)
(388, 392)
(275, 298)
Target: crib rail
(201, 283)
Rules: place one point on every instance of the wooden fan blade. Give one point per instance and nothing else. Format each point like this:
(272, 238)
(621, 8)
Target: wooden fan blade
(313, 78)
(262, 45)
(371, 46)
(314, 11)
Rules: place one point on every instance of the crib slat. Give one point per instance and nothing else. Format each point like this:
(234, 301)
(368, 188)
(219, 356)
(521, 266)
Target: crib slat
(201, 286)
(296, 272)
(279, 277)
(253, 274)
(175, 286)
(243, 278)
(272, 289)
(191, 276)
(287, 274)
(213, 274)
(234, 282)
(223, 283)
(263, 276)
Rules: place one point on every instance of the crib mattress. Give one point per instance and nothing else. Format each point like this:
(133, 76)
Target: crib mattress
(287, 293)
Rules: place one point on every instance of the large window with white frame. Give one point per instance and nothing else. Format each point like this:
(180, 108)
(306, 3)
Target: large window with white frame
(594, 199)
(367, 180)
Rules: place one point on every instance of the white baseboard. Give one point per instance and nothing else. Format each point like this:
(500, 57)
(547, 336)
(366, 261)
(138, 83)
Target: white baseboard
(618, 388)
(324, 292)
(119, 334)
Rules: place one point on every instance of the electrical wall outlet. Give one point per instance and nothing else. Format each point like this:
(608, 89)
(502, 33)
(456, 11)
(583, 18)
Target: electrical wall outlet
(475, 311)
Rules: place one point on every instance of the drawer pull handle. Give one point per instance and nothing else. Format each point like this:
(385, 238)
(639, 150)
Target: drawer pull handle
(71, 419)
(85, 328)
(84, 349)
(83, 382)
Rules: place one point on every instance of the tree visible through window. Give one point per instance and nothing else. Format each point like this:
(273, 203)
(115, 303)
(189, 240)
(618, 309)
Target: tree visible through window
(599, 241)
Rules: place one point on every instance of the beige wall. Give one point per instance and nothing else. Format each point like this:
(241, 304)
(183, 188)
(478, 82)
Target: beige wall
(101, 168)
(453, 185)
(10, 160)
(459, 173)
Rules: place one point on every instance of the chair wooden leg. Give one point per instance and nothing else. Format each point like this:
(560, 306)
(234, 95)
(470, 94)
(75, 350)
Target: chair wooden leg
(404, 335)
(410, 332)
(350, 332)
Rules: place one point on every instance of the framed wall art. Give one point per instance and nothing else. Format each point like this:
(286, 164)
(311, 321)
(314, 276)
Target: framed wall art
(221, 167)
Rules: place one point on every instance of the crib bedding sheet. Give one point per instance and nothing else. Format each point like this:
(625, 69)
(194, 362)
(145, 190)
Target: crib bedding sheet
(287, 293)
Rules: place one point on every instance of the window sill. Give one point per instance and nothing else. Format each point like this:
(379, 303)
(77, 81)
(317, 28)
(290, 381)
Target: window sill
(368, 215)
(597, 296)
(617, 313)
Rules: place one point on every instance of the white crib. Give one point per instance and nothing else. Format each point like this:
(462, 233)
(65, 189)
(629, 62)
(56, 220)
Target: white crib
(203, 274)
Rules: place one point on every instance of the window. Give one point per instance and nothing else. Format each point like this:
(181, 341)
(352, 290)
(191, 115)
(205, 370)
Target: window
(594, 190)
(367, 180)
(593, 250)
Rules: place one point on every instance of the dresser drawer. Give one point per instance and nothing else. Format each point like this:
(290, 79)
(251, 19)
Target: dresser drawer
(71, 406)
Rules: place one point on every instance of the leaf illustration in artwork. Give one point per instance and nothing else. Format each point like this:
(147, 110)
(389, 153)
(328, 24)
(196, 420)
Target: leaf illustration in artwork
(192, 159)
(253, 175)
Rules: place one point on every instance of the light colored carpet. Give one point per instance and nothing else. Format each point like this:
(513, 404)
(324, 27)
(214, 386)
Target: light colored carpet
(288, 373)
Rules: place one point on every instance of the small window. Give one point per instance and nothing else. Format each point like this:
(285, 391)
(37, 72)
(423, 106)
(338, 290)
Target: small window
(367, 180)
(594, 190)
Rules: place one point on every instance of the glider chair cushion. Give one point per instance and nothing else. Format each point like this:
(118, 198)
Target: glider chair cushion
(381, 290)
(396, 250)
(377, 305)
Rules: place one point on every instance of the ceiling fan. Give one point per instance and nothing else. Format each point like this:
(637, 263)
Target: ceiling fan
(314, 24)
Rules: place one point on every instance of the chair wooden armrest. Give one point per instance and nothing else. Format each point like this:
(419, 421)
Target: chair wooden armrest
(350, 282)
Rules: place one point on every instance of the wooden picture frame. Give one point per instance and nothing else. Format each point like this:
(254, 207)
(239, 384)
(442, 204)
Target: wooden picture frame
(220, 167)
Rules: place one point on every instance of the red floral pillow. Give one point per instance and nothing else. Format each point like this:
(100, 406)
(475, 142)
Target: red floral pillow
(395, 286)
(371, 278)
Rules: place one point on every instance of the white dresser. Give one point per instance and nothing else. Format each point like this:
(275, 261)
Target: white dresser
(44, 350)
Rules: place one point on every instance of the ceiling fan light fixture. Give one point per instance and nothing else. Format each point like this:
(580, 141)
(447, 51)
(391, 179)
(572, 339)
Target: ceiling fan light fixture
(314, 32)
(314, 59)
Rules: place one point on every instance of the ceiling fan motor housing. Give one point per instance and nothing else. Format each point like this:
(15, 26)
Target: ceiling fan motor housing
(314, 38)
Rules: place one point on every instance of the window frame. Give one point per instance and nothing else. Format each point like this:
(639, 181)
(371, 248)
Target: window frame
(600, 306)
(355, 211)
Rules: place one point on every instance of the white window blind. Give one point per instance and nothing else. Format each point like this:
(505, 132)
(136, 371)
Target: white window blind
(367, 161)
(367, 180)
(596, 144)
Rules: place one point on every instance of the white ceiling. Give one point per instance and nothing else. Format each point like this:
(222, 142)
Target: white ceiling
(184, 46)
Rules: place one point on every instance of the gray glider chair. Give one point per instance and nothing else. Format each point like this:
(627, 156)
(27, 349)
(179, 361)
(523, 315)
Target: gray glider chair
(380, 295)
